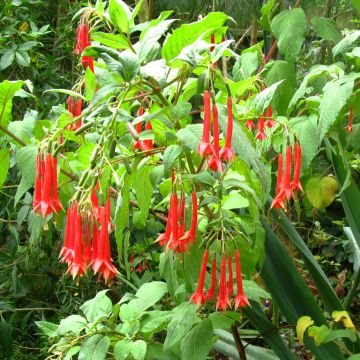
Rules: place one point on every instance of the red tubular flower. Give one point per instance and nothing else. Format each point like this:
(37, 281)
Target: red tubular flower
(55, 202)
(82, 39)
(279, 199)
(211, 292)
(269, 122)
(349, 127)
(261, 133)
(286, 186)
(250, 125)
(67, 251)
(78, 111)
(190, 235)
(227, 153)
(148, 143)
(182, 215)
(214, 162)
(39, 179)
(87, 61)
(174, 243)
(212, 41)
(95, 243)
(78, 266)
(198, 296)
(296, 184)
(103, 264)
(222, 300)
(71, 105)
(138, 127)
(240, 299)
(204, 147)
(45, 205)
(86, 236)
(230, 287)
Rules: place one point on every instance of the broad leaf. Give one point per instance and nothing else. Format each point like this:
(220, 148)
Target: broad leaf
(8, 90)
(118, 41)
(4, 165)
(345, 43)
(327, 28)
(94, 348)
(289, 28)
(119, 15)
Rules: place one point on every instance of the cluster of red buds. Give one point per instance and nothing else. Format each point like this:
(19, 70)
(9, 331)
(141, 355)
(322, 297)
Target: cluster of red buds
(87, 241)
(75, 108)
(147, 144)
(226, 286)
(349, 127)
(83, 40)
(175, 237)
(285, 187)
(46, 199)
(141, 265)
(263, 122)
(212, 151)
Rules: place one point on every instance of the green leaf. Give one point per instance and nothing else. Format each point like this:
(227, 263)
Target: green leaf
(184, 317)
(289, 28)
(138, 349)
(254, 291)
(319, 333)
(249, 63)
(98, 307)
(144, 191)
(336, 95)
(321, 191)
(153, 320)
(47, 328)
(305, 128)
(187, 34)
(4, 165)
(265, 14)
(301, 326)
(73, 324)
(190, 136)
(90, 84)
(71, 352)
(118, 41)
(8, 90)
(119, 15)
(22, 58)
(148, 295)
(94, 348)
(152, 35)
(356, 5)
(234, 201)
(122, 349)
(264, 98)
(197, 343)
(130, 65)
(327, 28)
(171, 153)
(277, 71)
(26, 159)
(338, 334)
(342, 46)
(7, 59)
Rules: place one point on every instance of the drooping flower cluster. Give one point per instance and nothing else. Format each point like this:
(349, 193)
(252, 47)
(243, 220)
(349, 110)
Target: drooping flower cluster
(263, 122)
(285, 187)
(212, 151)
(46, 199)
(146, 144)
(87, 242)
(175, 237)
(75, 108)
(83, 40)
(226, 286)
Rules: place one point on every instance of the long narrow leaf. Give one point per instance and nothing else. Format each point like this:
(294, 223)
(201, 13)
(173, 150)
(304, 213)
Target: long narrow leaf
(291, 292)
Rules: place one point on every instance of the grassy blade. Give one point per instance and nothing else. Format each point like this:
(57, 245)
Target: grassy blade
(291, 292)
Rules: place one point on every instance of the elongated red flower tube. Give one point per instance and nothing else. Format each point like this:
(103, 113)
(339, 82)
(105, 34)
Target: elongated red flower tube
(269, 122)
(174, 221)
(349, 127)
(71, 105)
(286, 186)
(78, 111)
(55, 202)
(82, 39)
(139, 127)
(45, 207)
(148, 143)
(212, 41)
(222, 300)
(279, 199)
(230, 287)
(87, 61)
(67, 251)
(77, 266)
(214, 162)
(204, 148)
(227, 153)
(296, 184)
(38, 181)
(250, 125)
(211, 291)
(261, 132)
(198, 296)
(240, 298)
(190, 236)
(182, 215)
